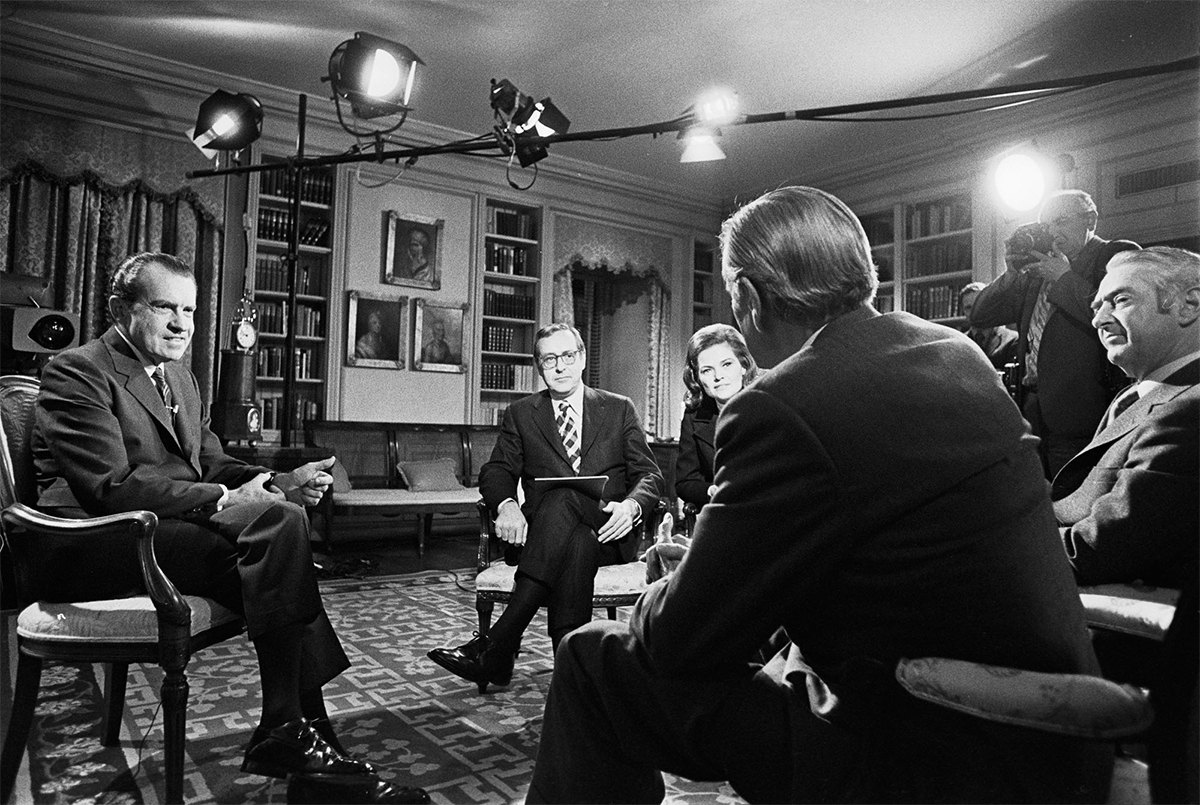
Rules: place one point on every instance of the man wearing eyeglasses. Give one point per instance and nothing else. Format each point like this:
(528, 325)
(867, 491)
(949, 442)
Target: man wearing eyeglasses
(1066, 382)
(564, 536)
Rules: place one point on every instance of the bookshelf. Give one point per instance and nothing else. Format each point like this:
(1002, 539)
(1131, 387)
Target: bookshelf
(310, 324)
(703, 284)
(510, 309)
(923, 251)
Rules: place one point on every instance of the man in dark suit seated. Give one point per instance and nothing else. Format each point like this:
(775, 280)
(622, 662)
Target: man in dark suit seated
(1129, 503)
(120, 426)
(880, 497)
(568, 429)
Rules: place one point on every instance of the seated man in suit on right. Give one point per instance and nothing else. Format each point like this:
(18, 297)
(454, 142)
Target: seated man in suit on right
(1128, 504)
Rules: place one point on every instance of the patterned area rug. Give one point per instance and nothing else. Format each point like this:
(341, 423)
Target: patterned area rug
(422, 725)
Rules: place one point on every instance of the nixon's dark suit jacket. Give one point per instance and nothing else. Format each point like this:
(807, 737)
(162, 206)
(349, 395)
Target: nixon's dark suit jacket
(694, 466)
(1072, 368)
(1129, 503)
(879, 495)
(103, 443)
(613, 444)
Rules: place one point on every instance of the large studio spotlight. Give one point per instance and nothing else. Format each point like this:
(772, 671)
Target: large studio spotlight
(227, 122)
(374, 74)
(1025, 175)
(522, 119)
(700, 144)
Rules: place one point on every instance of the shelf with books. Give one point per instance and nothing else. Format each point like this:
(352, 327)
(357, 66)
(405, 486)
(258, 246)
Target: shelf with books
(510, 309)
(308, 322)
(923, 253)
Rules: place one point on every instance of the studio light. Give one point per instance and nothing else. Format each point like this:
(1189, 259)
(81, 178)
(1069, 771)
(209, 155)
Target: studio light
(700, 144)
(1023, 176)
(227, 122)
(716, 107)
(374, 74)
(523, 119)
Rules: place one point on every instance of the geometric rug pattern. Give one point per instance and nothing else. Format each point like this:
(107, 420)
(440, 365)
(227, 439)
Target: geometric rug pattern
(420, 724)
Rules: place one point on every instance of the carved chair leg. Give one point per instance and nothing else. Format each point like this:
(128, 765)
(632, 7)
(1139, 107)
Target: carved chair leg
(484, 608)
(174, 700)
(29, 676)
(114, 696)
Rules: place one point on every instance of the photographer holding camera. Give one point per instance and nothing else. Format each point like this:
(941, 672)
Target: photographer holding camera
(1052, 271)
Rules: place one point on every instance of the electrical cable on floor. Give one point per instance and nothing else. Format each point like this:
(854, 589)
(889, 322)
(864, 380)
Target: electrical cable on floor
(142, 743)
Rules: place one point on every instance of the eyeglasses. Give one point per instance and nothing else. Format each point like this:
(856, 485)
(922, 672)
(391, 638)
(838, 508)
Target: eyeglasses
(548, 362)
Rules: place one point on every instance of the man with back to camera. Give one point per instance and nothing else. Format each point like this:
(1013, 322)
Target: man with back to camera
(878, 496)
(1066, 378)
(1129, 503)
(120, 426)
(568, 429)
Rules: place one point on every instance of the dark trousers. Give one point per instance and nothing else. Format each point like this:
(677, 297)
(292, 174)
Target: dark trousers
(561, 551)
(254, 559)
(612, 723)
(1055, 449)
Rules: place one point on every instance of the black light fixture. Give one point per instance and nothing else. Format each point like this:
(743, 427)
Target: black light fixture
(374, 74)
(523, 119)
(228, 122)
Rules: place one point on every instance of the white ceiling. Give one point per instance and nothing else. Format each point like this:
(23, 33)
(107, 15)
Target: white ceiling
(616, 63)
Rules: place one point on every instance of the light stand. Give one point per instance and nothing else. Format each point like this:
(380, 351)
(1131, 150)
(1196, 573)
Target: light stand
(292, 259)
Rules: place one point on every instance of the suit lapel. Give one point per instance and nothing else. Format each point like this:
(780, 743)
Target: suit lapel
(594, 412)
(543, 417)
(187, 420)
(139, 384)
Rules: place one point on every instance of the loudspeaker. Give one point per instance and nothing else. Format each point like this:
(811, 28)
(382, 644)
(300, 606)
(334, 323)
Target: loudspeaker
(235, 414)
(38, 330)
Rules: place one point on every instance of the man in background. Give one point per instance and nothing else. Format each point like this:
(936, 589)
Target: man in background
(879, 497)
(998, 343)
(1129, 503)
(1065, 384)
(120, 426)
(564, 431)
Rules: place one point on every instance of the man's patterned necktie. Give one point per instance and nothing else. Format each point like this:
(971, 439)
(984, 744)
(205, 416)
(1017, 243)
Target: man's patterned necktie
(570, 436)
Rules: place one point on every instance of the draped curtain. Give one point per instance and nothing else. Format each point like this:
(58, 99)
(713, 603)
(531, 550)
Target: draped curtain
(611, 266)
(64, 234)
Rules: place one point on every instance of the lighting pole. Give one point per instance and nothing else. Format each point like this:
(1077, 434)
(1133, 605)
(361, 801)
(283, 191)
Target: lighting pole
(292, 258)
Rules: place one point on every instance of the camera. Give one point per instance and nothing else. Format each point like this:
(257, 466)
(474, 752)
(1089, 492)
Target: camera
(1035, 237)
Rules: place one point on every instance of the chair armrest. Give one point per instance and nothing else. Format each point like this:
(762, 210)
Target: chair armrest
(485, 536)
(39, 541)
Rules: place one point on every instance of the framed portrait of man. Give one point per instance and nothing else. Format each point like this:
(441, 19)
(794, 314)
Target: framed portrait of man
(438, 337)
(412, 250)
(376, 325)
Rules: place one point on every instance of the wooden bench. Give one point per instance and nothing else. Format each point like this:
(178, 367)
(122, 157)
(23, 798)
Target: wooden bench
(370, 454)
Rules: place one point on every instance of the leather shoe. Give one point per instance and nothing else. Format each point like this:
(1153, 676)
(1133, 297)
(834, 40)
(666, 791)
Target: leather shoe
(297, 748)
(478, 660)
(325, 729)
(320, 789)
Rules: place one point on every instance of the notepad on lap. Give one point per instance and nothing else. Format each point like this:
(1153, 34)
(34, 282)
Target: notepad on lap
(590, 485)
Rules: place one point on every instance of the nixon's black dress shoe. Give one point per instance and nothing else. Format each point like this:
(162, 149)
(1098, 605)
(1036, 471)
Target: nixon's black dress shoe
(325, 730)
(478, 660)
(322, 789)
(297, 748)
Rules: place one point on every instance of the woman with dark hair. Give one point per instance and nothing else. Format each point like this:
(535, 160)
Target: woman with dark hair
(718, 366)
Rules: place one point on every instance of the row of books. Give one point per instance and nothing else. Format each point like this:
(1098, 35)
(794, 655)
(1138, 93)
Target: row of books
(933, 301)
(500, 337)
(276, 225)
(492, 413)
(503, 258)
(273, 411)
(509, 303)
(936, 217)
(273, 319)
(270, 363)
(506, 376)
(314, 187)
(271, 274)
(512, 222)
(928, 259)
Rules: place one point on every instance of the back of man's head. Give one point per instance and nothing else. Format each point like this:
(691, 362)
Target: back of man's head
(805, 253)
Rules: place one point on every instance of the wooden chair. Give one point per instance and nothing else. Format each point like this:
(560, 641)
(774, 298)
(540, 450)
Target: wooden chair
(616, 585)
(161, 626)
